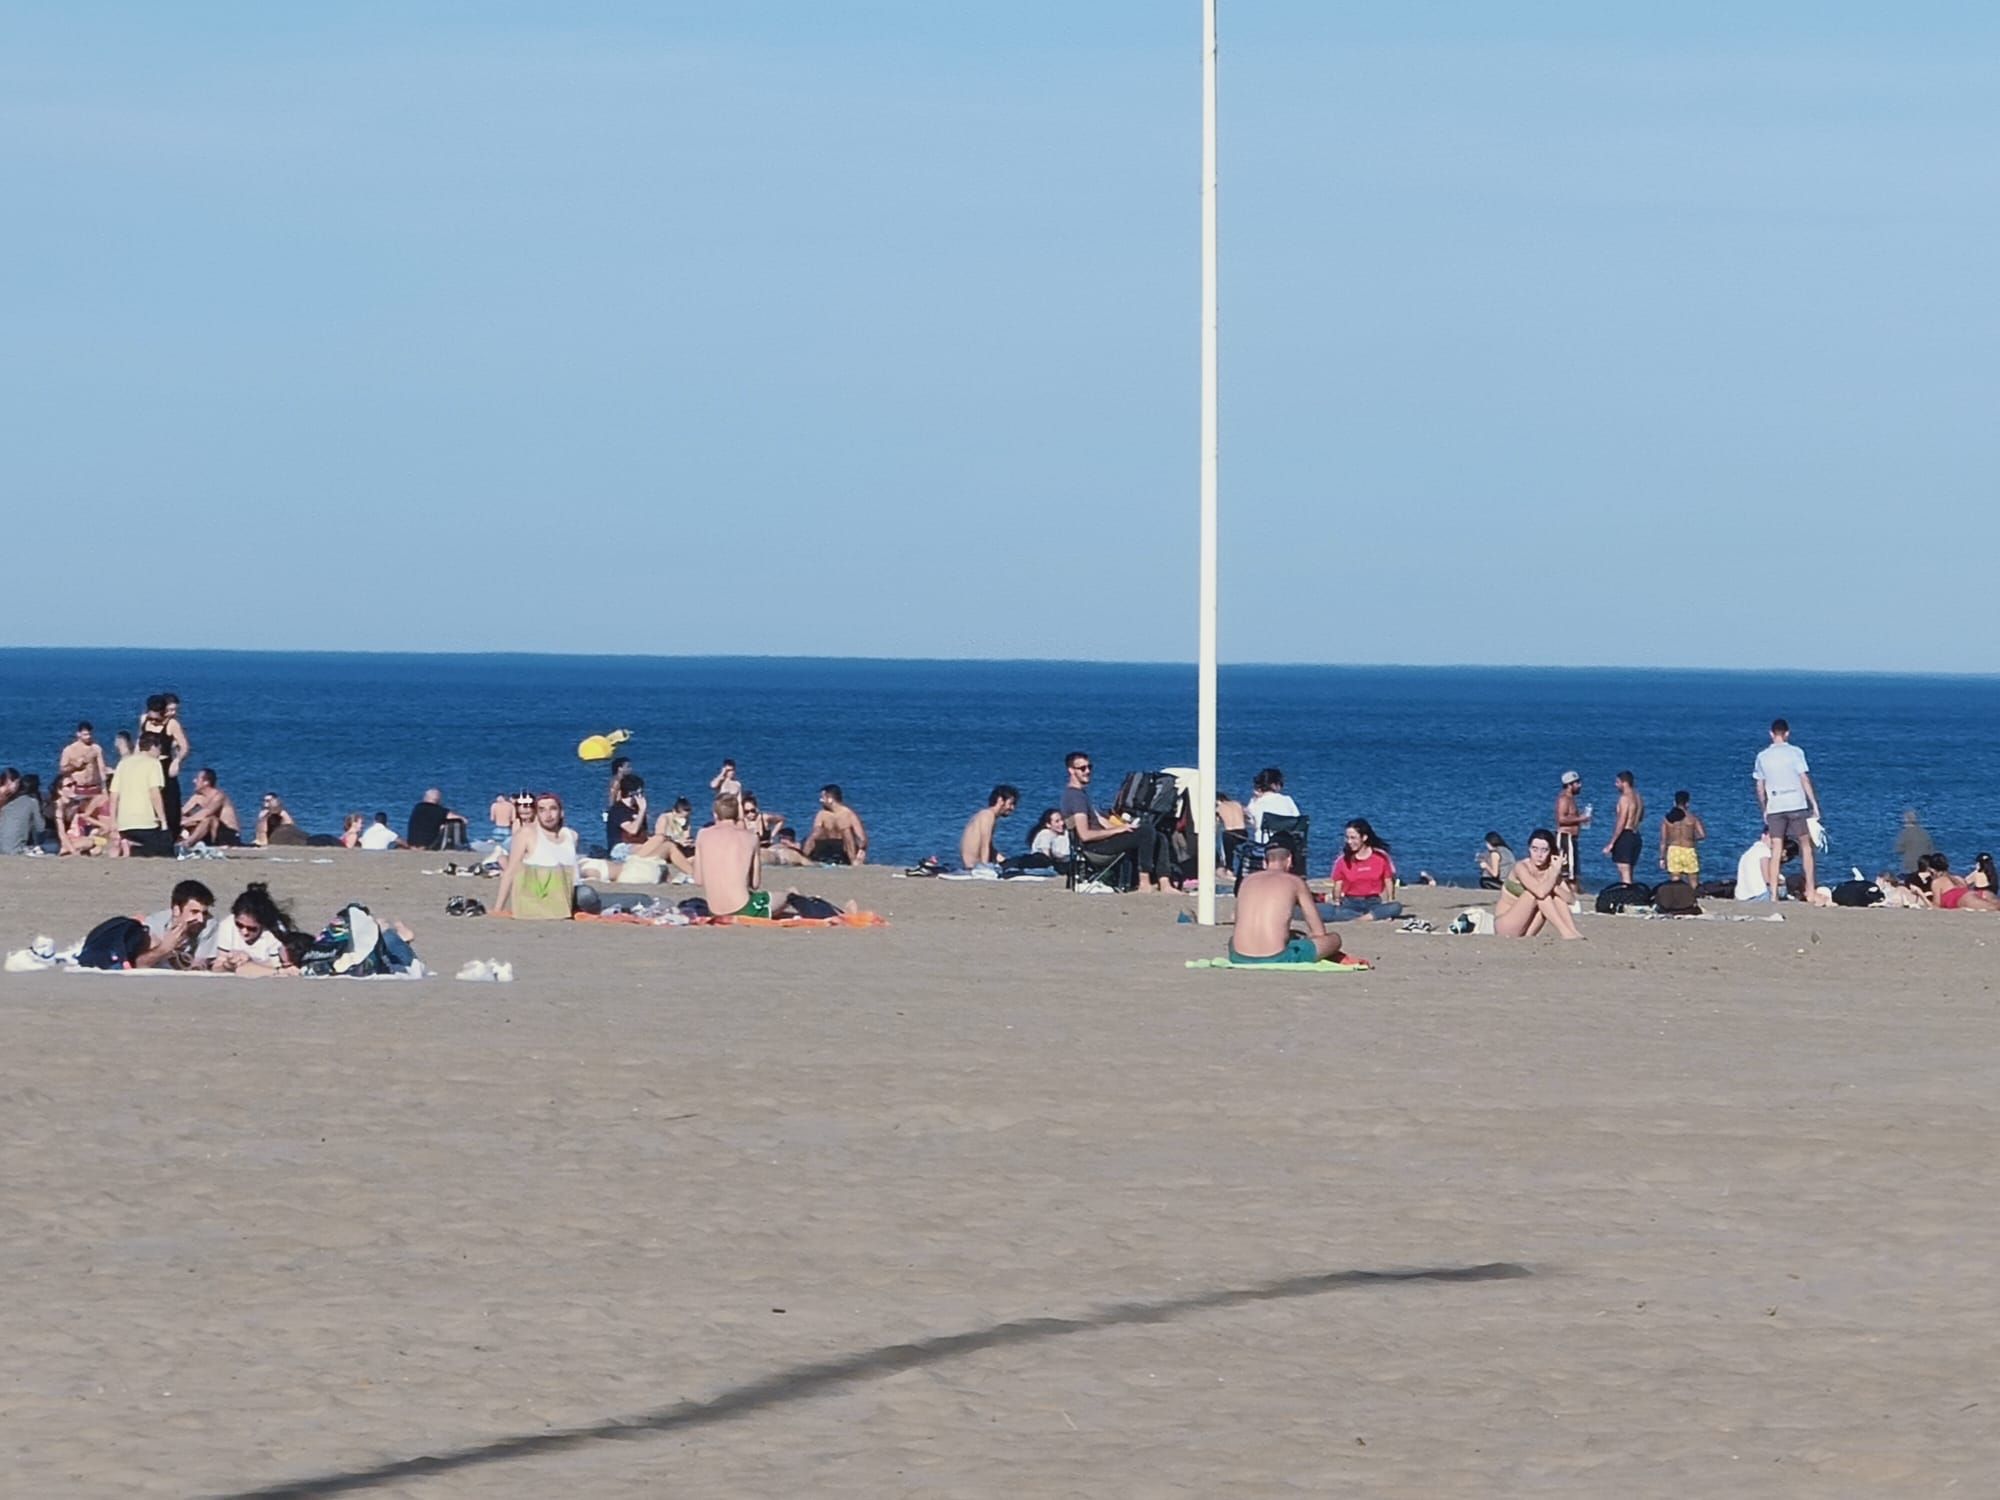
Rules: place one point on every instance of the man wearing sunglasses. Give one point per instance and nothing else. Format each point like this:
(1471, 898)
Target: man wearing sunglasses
(1104, 840)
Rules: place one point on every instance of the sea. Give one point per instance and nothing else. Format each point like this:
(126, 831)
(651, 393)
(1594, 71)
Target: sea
(1433, 757)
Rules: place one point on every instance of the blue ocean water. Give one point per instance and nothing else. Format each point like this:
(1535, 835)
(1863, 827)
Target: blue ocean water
(1432, 756)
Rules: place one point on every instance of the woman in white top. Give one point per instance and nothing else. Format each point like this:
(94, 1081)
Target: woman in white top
(539, 882)
(1050, 837)
(1269, 801)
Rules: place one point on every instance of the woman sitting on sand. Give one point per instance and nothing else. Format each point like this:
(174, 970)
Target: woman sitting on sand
(1364, 879)
(1976, 892)
(1495, 859)
(539, 882)
(1048, 842)
(1531, 897)
(275, 825)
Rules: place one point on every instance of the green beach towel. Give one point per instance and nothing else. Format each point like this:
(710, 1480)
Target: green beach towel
(1324, 966)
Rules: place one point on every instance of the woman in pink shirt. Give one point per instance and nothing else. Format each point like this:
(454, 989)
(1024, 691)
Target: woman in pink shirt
(1364, 879)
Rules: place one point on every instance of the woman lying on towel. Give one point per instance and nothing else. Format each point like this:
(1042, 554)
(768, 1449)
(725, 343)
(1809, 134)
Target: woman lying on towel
(1531, 897)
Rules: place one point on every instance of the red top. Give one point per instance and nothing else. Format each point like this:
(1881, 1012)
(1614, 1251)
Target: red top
(1367, 876)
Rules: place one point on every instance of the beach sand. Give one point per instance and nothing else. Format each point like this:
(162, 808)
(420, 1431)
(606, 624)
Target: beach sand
(291, 1233)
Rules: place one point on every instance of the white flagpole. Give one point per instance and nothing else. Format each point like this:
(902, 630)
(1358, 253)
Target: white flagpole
(1204, 802)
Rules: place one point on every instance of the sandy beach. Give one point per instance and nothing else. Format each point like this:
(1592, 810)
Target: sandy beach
(1000, 1201)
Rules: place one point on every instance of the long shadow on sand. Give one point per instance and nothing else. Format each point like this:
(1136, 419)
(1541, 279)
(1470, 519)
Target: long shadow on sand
(804, 1381)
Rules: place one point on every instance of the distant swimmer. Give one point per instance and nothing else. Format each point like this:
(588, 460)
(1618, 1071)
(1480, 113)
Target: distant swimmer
(837, 836)
(1266, 902)
(976, 843)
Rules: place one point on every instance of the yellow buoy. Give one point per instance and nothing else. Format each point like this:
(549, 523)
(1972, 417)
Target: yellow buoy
(600, 746)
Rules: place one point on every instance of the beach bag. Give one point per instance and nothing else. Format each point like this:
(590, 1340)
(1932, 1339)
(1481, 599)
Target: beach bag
(1857, 893)
(1676, 899)
(1622, 896)
(351, 944)
(816, 907)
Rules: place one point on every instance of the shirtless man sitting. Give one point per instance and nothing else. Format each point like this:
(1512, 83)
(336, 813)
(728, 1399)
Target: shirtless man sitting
(1265, 904)
(975, 845)
(727, 864)
(83, 759)
(836, 836)
(210, 816)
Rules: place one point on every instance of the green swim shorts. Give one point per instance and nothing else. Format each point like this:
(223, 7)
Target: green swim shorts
(1300, 950)
(759, 905)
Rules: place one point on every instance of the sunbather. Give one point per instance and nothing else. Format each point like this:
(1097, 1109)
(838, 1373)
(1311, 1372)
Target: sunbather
(1266, 902)
(1533, 896)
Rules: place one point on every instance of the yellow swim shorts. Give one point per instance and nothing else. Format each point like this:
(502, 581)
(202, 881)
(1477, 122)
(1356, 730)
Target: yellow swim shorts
(1682, 860)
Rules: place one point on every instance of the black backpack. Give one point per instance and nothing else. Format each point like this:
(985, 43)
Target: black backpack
(1857, 893)
(1676, 899)
(1620, 897)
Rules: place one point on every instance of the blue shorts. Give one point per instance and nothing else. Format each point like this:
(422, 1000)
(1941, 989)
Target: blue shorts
(1300, 950)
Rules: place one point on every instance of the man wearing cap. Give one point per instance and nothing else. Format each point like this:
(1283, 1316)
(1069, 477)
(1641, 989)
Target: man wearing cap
(1570, 820)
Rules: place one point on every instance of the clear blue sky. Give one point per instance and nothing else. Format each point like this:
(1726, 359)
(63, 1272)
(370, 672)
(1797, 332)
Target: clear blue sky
(1552, 333)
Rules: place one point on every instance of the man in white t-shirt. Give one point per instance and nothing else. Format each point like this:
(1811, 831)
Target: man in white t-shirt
(379, 835)
(1753, 873)
(1785, 793)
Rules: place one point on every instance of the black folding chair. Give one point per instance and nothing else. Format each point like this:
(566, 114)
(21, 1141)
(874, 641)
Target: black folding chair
(1293, 833)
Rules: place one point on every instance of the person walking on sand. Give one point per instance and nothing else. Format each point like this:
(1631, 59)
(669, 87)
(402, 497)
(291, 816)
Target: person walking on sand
(1680, 831)
(1789, 802)
(1570, 821)
(1625, 843)
(1266, 902)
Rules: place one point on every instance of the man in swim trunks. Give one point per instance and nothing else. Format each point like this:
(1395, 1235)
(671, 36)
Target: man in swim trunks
(1680, 831)
(836, 836)
(1624, 846)
(1570, 821)
(728, 865)
(83, 758)
(210, 817)
(975, 844)
(1266, 902)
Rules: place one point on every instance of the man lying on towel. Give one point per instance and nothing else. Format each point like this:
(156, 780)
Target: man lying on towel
(1265, 903)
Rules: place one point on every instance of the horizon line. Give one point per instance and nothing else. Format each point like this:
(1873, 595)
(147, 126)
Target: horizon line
(1084, 661)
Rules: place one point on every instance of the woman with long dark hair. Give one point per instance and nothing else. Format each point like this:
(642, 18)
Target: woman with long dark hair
(1364, 879)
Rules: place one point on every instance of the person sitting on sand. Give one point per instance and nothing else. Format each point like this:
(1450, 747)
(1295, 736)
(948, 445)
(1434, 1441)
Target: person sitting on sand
(1972, 892)
(378, 837)
(170, 939)
(728, 863)
(1753, 865)
(83, 758)
(83, 823)
(1364, 879)
(351, 828)
(432, 825)
(1897, 891)
(1050, 837)
(22, 822)
(1268, 799)
(625, 818)
(836, 836)
(275, 827)
(1495, 860)
(1266, 902)
(976, 842)
(1232, 825)
(1535, 893)
(209, 816)
(539, 882)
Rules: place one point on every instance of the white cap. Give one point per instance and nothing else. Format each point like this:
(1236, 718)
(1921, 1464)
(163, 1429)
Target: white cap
(1570, 776)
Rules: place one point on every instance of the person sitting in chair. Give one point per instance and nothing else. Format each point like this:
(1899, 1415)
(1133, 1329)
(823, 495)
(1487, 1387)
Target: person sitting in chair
(1266, 901)
(1101, 842)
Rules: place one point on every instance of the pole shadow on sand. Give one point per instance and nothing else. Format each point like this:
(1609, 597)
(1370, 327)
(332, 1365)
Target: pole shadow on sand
(802, 1382)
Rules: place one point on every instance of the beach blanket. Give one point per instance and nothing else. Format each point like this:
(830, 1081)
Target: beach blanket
(1347, 965)
(632, 919)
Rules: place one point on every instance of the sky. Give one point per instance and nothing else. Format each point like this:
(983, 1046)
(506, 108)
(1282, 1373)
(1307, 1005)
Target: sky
(1551, 333)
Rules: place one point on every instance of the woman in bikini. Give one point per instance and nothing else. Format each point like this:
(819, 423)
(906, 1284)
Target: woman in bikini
(1532, 896)
(1976, 892)
(539, 882)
